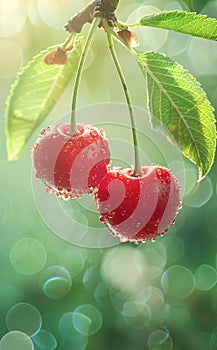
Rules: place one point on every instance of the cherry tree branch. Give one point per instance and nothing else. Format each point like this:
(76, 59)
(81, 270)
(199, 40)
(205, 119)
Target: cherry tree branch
(96, 8)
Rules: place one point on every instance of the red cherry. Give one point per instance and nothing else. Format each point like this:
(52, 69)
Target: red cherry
(71, 165)
(138, 207)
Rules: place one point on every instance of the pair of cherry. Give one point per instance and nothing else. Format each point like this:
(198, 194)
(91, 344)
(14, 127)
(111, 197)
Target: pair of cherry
(135, 207)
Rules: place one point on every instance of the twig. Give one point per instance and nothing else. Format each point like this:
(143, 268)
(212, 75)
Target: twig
(86, 15)
(96, 8)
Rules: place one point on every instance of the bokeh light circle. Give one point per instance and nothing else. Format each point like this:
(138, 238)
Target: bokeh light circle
(191, 176)
(44, 340)
(160, 339)
(176, 44)
(50, 12)
(65, 325)
(123, 267)
(173, 5)
(149, 38)
(11, 59)
(156, 299)
(34, 15)
(90, 278)
(155, 258)
(119, 298)
(55, 282)
(178, 281)
(87, 319)
(205, 277)
(25, 318)
(201, 194)
(15, 10)
(72, 338)
(28, 256)
(101, 294)
(81, 323)
(16, 340)
(73, 260)
(137, 314)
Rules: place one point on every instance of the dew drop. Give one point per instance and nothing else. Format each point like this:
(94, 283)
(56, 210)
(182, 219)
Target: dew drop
(101, 219)
(153, 239)
(173, 223)
(105, 143)
(111, 215)
(90, 190)
(123, 239)
(35, 146)
(78, 144)
(93, 133)
(42, 132)
(168, 180)
(102, 132)
(65, 197)
(158, 171)
(49, 190)
(156, 223)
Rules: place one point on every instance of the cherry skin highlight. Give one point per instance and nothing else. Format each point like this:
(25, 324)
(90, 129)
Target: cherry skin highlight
(71, 165)
(137, 208)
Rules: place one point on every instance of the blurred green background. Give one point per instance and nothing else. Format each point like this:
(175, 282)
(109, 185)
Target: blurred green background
(56, 295)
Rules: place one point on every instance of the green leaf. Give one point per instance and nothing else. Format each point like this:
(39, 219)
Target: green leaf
(33, 95)
(183, 22)
(180, 104)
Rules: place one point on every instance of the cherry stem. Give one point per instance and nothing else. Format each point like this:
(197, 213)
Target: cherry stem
(94, 25)
(137, 166)
(68, 40)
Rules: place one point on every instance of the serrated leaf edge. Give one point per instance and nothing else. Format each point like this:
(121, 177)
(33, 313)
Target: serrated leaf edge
(201, 175)
(13, 86)
(188, 13)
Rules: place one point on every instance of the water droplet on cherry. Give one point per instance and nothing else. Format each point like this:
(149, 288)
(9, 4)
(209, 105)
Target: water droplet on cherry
(93, 133)
(49, 190)
(101, 219)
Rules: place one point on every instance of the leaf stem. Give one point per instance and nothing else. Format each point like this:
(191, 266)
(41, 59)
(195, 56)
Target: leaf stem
(137, 166)
(94, 25)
